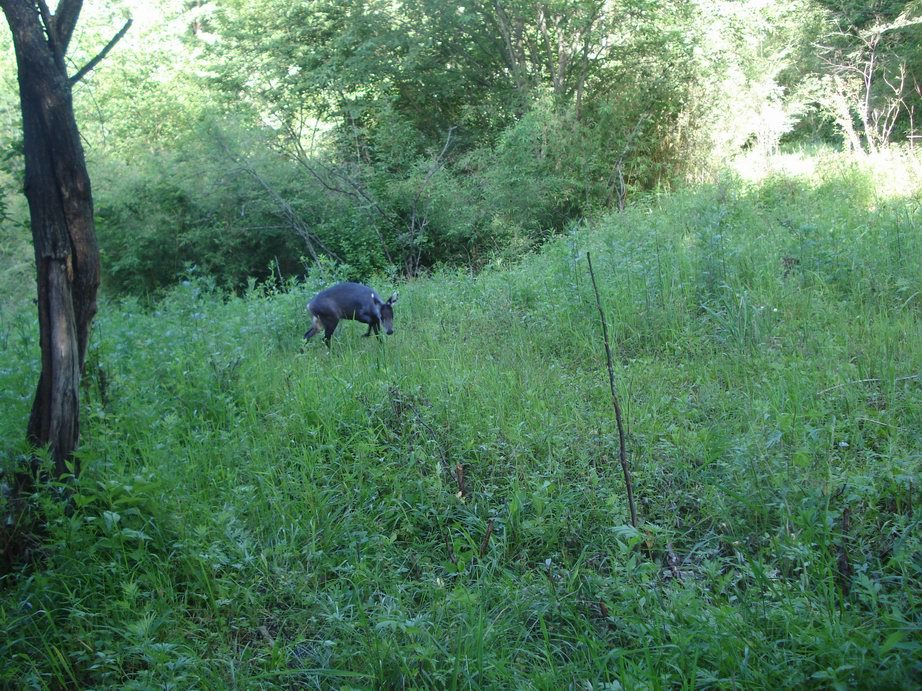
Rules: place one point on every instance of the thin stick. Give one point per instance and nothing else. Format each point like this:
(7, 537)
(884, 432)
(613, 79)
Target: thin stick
(872, 380)
(485, 543)
(848, 383)
(265, 632)
(622, 453)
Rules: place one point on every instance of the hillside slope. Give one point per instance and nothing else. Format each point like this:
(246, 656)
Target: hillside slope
(254, 514)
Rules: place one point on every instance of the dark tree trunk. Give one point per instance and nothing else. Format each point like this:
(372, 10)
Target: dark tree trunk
(57, 187)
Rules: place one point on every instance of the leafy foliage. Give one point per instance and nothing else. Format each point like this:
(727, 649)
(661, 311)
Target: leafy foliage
(404, 137)
(253, 515)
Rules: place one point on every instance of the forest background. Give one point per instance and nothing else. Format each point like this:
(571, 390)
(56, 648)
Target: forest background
(442, 509)
(396, 137)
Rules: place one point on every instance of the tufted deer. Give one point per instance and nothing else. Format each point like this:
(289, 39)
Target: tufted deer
(350, 301)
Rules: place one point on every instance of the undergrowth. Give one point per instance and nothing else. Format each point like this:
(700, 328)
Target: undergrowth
(253, 513)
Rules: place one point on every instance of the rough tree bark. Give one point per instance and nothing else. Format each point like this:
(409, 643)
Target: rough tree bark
(57, 187)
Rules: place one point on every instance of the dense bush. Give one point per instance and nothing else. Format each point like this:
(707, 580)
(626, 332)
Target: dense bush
(389, 151)
(231, 202)
(171, 209)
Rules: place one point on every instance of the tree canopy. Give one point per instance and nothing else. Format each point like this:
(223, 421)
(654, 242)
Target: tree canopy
(389, 136)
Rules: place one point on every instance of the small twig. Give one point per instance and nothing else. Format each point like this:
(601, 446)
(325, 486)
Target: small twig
(265, 633)
(877, 422)
(437, 164)
(485, 543)
(909, 299)
(872, 380)
(459, 478)
(614, 399)
(848, 383)
(417, 224)
(446, 466)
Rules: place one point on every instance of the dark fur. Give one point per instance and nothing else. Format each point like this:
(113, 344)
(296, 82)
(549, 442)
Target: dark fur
(350, 301)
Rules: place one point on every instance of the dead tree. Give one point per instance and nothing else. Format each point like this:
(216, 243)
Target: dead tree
(57, 187)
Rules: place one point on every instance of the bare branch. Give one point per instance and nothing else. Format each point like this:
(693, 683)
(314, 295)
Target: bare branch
(357, 192)
(878, 30)
(515, 58)
(65, 19)
(83, 71)
(452, 557)
(485, 543)
(437, 165)
(616, 179)
(287, 211)
(360, 191)
(873, 380)
(48, 23)
(417, 225)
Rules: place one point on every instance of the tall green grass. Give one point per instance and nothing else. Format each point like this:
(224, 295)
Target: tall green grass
(252, 514)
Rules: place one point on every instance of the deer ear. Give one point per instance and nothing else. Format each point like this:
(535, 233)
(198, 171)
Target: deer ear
(393, 298)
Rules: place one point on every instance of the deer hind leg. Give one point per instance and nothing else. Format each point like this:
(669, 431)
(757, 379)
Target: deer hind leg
(315, 327)
(329, 326)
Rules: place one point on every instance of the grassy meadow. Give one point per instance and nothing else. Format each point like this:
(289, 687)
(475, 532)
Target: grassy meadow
(256, 514)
